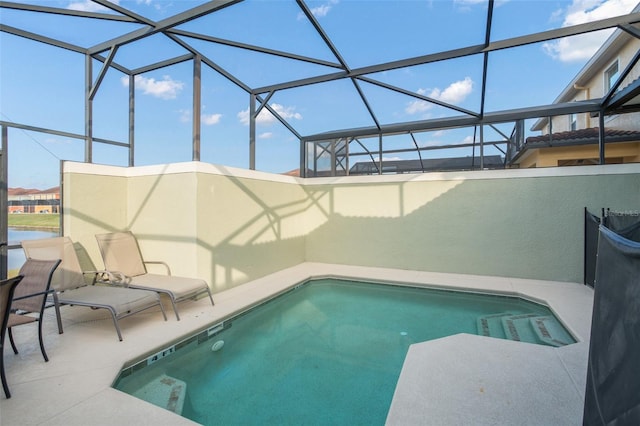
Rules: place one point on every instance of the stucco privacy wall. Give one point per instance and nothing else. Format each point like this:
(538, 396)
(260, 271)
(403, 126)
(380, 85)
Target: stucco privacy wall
(227, 226)
(249, 224)
(92, 204)
(233, 225)
(515, 223)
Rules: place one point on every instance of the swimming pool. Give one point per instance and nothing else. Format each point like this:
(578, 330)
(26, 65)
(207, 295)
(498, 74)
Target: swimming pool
(327, 352)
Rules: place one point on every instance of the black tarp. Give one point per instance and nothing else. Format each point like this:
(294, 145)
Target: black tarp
(612, 395)
(625, 224)
(591, 225)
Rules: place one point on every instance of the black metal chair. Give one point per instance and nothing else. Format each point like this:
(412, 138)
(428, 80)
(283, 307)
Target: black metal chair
(31, 296)
(7, 288)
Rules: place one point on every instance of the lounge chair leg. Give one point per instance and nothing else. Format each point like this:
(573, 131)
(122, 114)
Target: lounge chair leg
(210, 296)
(175, 308)
(13, 344)
(115, 322)
(5, 386)
(56, 306)
(44, 353)
(164, 314)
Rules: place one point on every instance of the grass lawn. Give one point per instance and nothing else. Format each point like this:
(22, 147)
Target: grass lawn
(35, 220)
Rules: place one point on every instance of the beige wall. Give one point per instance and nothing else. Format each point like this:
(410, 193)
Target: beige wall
(624, 56)
(92, 204)
(620, 152)
(230, 226)
(217, 225)
(524, 225)
(247, 228)
(594, 89)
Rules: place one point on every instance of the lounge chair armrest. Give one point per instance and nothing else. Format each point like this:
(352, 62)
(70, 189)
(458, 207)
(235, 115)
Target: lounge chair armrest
(26, 296)
(158, 262)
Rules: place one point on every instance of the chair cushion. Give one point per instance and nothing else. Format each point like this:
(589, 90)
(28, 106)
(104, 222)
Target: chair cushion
(123, 300)
(181, 287)
(15, 319)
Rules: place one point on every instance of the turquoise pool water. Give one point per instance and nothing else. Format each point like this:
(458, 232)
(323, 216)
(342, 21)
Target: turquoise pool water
(328, 352)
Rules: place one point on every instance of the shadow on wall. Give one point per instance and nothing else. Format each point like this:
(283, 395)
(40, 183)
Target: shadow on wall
(237, 229)
(274, 235)
(499, 227)
(246, 228)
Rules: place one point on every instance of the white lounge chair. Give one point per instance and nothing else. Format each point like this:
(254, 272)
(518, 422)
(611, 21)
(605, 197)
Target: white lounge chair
(71, 288)
(122, 257)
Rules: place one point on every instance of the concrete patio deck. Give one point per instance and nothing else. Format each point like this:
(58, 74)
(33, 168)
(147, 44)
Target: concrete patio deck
(462, 379)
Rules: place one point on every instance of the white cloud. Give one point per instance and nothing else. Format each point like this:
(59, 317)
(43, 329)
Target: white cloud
(430, 143)
(320, 11)
(89, 6)
(211, 119)
(243, 116)
(455, 93)
(417, 106)
(265, 135)
(265, 116)
(583, 46)
(163, 89)
(206, 119)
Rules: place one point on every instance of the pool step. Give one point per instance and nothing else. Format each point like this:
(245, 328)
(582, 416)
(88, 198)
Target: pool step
(550, 332)
(164, 391)
(531, 328)
(491, 326)
(518, 327)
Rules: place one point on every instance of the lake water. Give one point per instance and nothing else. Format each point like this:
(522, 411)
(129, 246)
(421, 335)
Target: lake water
(16, 257)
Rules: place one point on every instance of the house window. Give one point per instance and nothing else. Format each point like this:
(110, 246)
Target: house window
(610, 76)
(573, 122)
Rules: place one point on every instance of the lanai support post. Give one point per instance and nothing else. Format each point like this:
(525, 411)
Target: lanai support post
(197, 105)
(88, 110)
(303, 159)
(132, 119)
(481, 147)
(4, 203)
(252, 131)
(601, 138)
(380, 153)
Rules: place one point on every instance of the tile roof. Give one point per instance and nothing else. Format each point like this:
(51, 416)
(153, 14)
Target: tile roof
(581, 137)
(31, 191)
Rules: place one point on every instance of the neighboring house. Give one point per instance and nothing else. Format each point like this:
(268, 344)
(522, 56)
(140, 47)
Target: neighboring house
(34, 200)
(574, 139)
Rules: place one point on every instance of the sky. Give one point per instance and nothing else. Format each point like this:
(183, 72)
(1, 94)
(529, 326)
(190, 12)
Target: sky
(43, 86)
